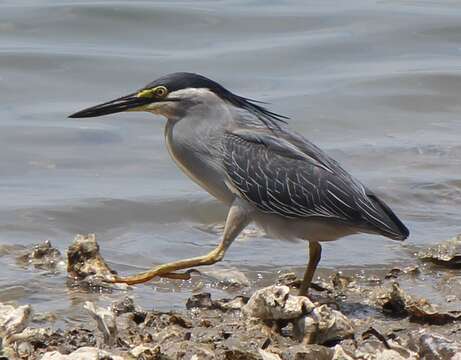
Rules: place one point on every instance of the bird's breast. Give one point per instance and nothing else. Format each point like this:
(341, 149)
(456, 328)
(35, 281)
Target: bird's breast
(199, 161)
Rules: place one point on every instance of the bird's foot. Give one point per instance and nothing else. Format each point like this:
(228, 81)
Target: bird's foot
(149, 275)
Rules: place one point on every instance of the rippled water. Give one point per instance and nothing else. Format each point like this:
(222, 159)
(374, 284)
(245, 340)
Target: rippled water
(376, 84)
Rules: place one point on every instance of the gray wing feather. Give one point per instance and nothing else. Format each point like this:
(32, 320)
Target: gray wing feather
(284, 174)
(277, 177)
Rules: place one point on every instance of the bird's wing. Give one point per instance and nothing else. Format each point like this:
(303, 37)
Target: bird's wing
(279, 177)
(284, 174)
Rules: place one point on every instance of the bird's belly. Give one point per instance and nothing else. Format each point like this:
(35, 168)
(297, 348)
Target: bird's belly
(314, 229)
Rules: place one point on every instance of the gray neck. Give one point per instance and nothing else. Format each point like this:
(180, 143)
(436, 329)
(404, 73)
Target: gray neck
(194, 142)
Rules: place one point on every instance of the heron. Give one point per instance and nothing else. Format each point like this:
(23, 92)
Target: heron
(247, 157)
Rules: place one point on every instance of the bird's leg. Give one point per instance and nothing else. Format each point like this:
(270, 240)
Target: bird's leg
(237, 219)
(315, 252)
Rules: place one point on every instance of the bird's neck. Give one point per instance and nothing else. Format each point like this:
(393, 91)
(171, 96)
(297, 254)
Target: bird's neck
(196, 148)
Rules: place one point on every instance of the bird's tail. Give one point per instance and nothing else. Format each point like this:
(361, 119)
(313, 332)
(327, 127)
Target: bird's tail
(376, 213)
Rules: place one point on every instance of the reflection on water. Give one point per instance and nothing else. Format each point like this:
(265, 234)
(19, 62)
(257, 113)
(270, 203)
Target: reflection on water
(375, 84)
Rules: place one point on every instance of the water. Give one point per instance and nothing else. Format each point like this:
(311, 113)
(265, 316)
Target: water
(376, 84)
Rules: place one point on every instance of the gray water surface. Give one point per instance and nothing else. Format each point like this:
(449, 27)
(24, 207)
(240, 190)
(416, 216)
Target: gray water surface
(376, 84)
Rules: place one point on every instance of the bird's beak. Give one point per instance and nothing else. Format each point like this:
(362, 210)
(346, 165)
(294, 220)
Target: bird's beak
(132, 102)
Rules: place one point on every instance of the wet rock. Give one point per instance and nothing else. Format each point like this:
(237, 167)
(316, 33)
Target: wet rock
(105, 320)
(396, 302)
(234, 304)
(84, 353)
(323, 325)
(46, 317)
(267, 355)
(340, 354)
(125, 305)
(86, 265)
(447, 253)
(189, 350)
(204, 301)
(289, 279)
(176, 319)
(201, 300)
(432, 346)
(236, 354)
(276, 303)
(43, 256)
(396, 272)
(393, 301)
(142, 352)
(308, 352)
(30, 335)
(13, 320)
(373, 349)
(25, 350)
(339, 281)
(228, 278)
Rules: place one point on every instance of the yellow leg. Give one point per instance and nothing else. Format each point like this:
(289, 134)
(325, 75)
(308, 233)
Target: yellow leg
(236, 221)
(315, 252)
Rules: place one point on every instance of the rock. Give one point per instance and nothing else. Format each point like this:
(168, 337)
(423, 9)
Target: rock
(105, 320)
(308, 352)
(276, 303)
(311, 324)
(396, 302)
(31, 335)
(125, 305)
(235, 354)
(447, 253)
(188, 349)
(393, 301)
(13, 320)
(204, 301)
(340, 354)
(266, 355)
(142, 352)
(431, 346)
(289, 279)
(43, 256)
(84, 353)
(323, 325)
(24, 350)
(86, 265)
(228, 278)
(339, 281)
(396, 272)
(373, 349)
(234, 304)
(201, 300)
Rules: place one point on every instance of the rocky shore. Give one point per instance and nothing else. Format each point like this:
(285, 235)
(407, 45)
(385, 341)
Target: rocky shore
(345, 317)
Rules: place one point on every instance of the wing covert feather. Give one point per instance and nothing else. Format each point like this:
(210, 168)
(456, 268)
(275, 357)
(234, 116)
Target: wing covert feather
(278, 177)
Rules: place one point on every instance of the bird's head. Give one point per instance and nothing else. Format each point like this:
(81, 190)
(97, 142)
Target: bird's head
(174, 94)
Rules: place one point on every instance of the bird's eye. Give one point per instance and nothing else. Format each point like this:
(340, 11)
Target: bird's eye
(160, 91)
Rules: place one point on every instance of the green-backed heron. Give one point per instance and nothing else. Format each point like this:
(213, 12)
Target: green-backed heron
(245, 156)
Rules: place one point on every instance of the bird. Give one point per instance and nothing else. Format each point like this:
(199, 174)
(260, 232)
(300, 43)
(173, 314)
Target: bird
(247, 157)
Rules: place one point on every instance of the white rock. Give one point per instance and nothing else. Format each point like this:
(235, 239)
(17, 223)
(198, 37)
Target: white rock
(13, 320)
(322, 325)
(84, 353)
(228, 277)
(30, 334)
(340, 354)
(143, 350)
(276, 303)
(105, 320)
(266, 355)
